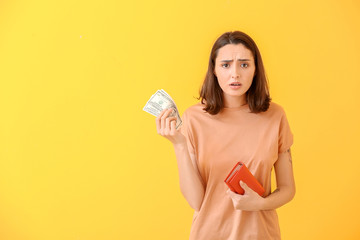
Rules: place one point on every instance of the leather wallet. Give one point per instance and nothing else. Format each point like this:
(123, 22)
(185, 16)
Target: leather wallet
(241, 172)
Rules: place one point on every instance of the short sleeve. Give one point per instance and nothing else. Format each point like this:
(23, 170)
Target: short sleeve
(285, 135)
(186, 131)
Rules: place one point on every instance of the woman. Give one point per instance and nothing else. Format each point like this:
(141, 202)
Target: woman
(235, 121)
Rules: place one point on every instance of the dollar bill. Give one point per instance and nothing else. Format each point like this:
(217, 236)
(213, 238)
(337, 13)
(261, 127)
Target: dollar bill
(158, 102)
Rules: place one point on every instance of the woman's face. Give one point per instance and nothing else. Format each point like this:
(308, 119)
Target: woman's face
(234, 69)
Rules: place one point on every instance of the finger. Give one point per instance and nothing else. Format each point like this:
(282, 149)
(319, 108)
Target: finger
(167, 112)
(234, 196)
(169, 120)
(228, 192)
(167, 125)
(173, 126)
(161, 114)
(158, 120)
(231, 193)
(245, 186)
(163, 122)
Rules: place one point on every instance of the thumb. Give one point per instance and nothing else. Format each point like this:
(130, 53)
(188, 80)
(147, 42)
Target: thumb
(179, 129)
(244, 186)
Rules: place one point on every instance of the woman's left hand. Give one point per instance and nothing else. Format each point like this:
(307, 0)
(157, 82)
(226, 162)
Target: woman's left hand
(250, 201)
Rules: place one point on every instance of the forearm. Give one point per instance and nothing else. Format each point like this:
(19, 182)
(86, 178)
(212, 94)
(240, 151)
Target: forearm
(190, 181)
(278, 198)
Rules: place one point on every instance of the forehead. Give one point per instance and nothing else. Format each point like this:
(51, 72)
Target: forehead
(234, 51)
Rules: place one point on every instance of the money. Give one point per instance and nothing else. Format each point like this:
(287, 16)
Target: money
(160, 101)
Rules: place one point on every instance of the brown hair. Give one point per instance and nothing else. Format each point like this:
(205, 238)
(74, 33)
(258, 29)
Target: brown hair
(257, 96)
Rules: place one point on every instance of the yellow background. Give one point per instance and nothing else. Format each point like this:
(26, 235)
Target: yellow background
(80, 160)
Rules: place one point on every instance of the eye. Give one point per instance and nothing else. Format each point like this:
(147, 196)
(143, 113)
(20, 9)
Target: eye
(225, 65)
(245, 65)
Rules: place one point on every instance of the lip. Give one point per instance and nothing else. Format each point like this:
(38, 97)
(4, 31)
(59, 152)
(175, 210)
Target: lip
(235, 87)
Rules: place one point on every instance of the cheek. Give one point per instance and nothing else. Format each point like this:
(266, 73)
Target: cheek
(250, 75)
(221, 80)
(221, 75)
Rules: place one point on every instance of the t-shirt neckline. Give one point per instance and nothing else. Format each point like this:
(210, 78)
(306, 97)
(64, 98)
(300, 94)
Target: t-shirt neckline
(245, 106)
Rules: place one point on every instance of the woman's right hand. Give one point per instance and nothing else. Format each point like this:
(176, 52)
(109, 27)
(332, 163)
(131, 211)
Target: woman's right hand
(191, 185)
(166, 127)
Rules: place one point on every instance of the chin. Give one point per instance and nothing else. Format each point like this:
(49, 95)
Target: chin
(232, 94)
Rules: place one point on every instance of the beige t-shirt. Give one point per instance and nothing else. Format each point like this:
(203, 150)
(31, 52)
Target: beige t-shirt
(218, 143)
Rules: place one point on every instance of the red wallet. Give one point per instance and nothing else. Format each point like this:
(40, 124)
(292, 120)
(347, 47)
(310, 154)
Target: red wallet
(241, 172)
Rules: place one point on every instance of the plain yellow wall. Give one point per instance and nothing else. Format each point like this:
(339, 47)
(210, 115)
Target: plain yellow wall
(80, 160)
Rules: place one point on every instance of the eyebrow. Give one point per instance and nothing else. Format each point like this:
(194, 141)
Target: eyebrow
(240, 60)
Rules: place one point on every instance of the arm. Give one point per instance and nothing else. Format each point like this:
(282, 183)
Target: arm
(190, 180)
(285, 191)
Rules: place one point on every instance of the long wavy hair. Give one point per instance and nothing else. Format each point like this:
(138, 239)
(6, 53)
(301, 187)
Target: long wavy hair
(258, 96)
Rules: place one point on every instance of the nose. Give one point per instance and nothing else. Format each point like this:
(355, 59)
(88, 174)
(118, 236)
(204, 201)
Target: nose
(235, 72)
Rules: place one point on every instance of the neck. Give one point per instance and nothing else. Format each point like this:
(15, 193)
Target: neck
(234, 101)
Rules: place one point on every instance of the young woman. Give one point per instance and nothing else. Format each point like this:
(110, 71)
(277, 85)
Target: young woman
(235, 121)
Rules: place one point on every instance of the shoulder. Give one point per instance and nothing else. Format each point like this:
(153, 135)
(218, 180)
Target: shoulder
(196, 109)
(190, 117)
(275, 113)
(195, 115)
(275, 109)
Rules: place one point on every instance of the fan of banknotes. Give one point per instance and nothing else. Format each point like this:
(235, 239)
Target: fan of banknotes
(160, 101)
